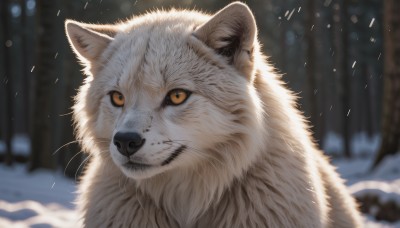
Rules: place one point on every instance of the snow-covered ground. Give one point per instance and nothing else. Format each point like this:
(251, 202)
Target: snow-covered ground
(382, 183)
(41, 199)
(44, 199)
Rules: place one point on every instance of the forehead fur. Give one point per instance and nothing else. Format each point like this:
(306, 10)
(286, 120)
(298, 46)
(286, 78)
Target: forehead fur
(154, 53)
(156, 36)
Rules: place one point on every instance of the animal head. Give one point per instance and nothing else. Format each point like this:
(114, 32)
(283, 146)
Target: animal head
(169, 90)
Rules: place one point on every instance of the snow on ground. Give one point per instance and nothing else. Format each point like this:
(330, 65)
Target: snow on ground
(371, 223)
(41, 199)
(44, 199)
(383, 182)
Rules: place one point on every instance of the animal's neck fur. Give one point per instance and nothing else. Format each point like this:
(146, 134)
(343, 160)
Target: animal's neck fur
(186, 193)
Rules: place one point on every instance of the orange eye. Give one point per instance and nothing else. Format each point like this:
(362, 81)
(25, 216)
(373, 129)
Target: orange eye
(117, 99)
(177, 96)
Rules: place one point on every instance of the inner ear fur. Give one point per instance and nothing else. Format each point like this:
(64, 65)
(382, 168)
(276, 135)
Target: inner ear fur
(232, 33)
(88, 41)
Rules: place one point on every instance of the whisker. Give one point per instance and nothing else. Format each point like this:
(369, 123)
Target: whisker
(123, 179)
(138, 199)
(71, 160)
(75, 141)
(82, 163)
(125, 184)
(66, 114)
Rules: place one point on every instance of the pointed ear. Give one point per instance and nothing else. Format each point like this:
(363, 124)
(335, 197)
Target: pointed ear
(88, 41)
(232, 33)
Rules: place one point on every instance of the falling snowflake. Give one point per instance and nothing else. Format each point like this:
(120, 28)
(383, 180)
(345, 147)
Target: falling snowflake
(372, 22)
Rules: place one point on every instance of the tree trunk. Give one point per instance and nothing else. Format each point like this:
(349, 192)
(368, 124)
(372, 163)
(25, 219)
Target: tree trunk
(41, 156)
(367, 118)
(391, 103)
(340, 44)
(9, 110)
(310, 67)
(25, 70)
(71, 158)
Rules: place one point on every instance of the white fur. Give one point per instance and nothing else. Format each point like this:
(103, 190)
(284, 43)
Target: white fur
(249, 159)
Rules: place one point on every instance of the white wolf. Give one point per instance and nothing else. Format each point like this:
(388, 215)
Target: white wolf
(187, 126)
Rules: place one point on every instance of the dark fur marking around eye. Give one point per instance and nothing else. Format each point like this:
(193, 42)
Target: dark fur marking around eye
(174, 155)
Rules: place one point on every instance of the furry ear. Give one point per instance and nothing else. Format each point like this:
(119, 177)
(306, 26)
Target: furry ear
(88, 41)
(232, 33)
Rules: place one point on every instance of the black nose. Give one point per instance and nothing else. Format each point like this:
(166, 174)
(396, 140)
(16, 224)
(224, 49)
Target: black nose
(128, 143)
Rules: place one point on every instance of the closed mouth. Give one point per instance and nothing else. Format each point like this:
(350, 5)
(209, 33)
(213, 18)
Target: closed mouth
(174, 155)
(136, 166)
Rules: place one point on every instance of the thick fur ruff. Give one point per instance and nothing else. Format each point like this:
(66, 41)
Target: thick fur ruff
(236, 153)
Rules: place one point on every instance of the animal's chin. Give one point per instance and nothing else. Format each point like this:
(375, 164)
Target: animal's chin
(134, 166)
(139, 170)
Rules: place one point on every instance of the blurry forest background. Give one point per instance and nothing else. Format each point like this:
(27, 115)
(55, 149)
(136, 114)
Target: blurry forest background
(342, 58)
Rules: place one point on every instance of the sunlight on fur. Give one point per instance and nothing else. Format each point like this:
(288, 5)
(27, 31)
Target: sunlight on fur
(188, 126)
